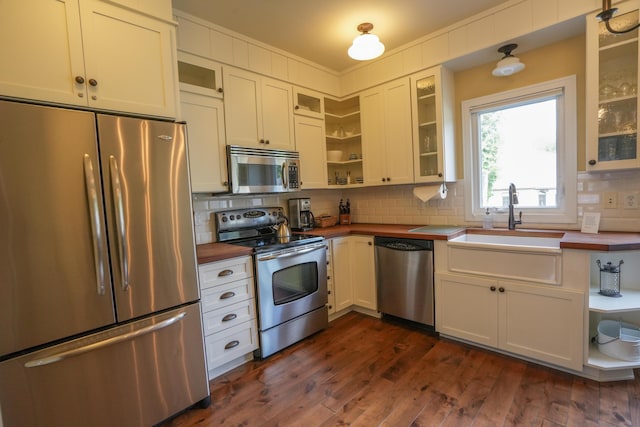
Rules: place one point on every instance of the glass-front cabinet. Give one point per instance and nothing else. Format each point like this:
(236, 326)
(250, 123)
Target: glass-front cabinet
(433, 132)
(612, 92)
(308, 103)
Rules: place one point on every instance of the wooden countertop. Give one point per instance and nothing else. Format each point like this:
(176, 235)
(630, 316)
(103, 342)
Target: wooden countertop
(210, 252)
(603, 241)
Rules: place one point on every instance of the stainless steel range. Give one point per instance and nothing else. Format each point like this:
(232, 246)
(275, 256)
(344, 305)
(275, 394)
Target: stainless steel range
(290, 272)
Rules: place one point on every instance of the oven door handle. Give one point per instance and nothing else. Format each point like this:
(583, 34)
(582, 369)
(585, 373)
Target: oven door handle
(290, 254)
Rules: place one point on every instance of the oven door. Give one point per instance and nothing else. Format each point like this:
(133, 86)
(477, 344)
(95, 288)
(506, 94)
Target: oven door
(291, 282)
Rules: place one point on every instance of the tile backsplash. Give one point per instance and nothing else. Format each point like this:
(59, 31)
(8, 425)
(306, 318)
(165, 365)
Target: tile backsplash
(398, 205)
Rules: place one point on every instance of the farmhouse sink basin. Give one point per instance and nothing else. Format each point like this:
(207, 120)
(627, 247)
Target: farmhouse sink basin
(517, 255)
(503, 241)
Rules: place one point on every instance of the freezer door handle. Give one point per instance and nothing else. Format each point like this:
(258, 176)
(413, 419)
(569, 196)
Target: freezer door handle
(104, 343)
(96, 224)
(118, 206)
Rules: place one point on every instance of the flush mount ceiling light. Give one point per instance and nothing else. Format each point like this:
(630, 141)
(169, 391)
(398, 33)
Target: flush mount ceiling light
(366, 46)
(509, 64)
(607, 13)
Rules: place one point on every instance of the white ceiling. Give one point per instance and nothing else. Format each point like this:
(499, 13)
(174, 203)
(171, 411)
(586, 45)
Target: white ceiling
(322, 30)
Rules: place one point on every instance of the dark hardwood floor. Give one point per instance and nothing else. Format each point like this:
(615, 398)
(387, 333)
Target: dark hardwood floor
(363, 371)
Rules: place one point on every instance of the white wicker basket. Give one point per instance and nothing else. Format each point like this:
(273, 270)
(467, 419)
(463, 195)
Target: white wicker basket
(619, 340)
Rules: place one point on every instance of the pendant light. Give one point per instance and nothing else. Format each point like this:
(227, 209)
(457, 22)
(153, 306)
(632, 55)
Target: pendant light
(509, 64)
(607, 13)
(366, 46)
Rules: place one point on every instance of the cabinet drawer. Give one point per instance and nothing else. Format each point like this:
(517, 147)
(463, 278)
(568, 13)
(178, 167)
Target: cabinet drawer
(226, 294)
(231, 343)
(229, 316)
(220, 272)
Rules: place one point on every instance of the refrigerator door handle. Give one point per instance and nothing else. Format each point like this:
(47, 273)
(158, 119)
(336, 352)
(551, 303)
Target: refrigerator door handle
(104, 343)
(118, 206)
(96, 224)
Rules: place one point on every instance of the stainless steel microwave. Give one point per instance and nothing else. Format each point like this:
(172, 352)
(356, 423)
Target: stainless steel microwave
(259, 170)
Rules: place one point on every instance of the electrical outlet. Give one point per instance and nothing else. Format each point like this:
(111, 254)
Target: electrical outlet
(630, 200)
(610, 200)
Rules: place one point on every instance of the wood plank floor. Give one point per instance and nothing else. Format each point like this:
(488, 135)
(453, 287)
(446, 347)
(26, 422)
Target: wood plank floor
(363, 371)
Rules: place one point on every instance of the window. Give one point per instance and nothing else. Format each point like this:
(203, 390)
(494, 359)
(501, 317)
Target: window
(527, 137)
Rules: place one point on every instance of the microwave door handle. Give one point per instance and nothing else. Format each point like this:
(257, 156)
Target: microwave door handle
(284, 175)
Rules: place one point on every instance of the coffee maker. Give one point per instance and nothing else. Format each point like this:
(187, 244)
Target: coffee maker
(300, 216)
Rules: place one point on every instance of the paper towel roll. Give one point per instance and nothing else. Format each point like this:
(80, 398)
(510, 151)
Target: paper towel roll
(430, 192)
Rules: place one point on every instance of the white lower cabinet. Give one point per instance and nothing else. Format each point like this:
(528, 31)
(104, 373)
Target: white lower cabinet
(228, 313)
(541, 322)
(354, 279)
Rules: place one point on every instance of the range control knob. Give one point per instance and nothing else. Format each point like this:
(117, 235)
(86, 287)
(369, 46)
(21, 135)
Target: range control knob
(224, 219)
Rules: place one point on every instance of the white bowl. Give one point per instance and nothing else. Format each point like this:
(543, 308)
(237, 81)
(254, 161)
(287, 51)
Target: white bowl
(334, 155)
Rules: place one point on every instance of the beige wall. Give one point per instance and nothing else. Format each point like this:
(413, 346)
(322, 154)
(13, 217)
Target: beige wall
(550, 62)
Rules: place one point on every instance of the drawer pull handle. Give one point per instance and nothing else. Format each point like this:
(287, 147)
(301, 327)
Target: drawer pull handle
(493, 288)
(229, 317)
(232, 344)
(224, 273)
(228, 295)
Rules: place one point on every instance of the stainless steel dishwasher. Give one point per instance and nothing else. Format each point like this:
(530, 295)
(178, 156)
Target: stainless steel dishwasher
(404, 272)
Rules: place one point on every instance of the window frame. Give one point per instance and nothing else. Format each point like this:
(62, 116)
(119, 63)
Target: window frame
(566, 209)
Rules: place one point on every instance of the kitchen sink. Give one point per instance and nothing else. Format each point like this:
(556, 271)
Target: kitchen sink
(504, 240)
(517, 255)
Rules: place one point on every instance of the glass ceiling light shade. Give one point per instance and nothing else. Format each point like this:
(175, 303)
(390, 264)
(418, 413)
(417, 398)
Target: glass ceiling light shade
(509, 64)
(607, 13)
(366, 46)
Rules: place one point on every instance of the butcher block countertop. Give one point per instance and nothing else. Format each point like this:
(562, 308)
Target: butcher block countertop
(603, 241)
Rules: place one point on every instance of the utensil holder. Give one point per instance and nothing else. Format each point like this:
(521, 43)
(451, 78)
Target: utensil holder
(345, 219)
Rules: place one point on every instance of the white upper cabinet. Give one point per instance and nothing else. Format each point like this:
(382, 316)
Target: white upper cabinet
(386, 134)
(258, 110)
(612, 92)
(88, 53)
(310, 143)
(207, 144)
(433, 125)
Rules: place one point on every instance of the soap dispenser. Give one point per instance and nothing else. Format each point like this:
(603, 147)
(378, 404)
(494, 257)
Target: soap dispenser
(487, 222)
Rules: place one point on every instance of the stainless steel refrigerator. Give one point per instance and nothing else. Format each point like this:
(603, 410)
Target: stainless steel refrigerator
(99, 303)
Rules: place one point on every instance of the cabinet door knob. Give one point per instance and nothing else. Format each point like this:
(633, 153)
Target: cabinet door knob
(592, 162)
(261, 141)
(266, 141)
(501, 289)
(79, 79)
(369, 243)
(220, 90)
(383, 179)
(493, 288)
(388, 179)
(297, 107)
(440, 174)
(93, 82)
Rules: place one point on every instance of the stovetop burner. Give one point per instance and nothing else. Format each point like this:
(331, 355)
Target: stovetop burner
(256, 228)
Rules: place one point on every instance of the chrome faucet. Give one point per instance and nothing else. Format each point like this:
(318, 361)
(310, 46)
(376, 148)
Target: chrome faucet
(513, 200)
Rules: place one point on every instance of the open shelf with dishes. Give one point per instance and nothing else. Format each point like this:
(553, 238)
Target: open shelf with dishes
(343, 141)
(624, 308)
